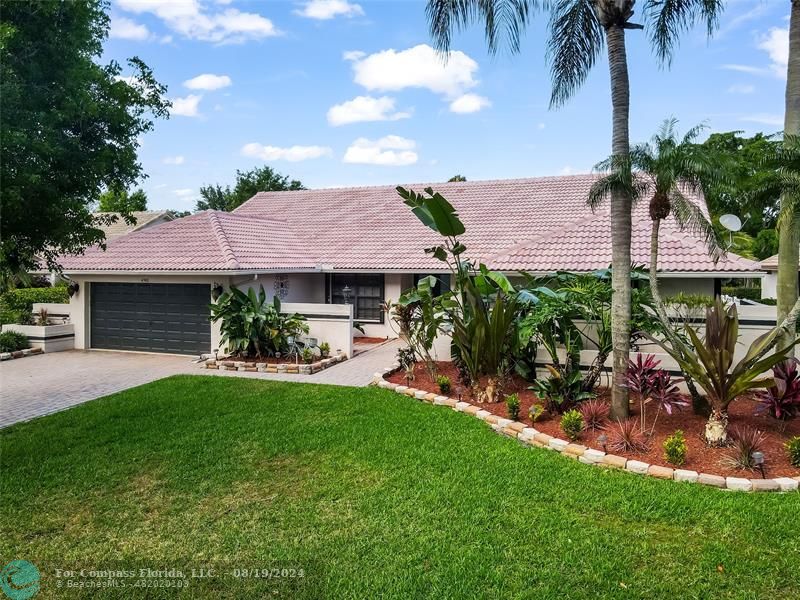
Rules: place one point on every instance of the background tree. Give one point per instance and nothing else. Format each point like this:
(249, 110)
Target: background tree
(788, 230)
(578, 33)
(86, 123)
(455, 178)
(248, 184)
(120, 201)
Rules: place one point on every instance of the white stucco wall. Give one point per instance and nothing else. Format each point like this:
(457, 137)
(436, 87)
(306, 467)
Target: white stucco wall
(300, 287)
(769, 286)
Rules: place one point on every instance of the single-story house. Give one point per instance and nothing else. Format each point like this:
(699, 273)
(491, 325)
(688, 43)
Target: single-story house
(143, 220)
(150, 289)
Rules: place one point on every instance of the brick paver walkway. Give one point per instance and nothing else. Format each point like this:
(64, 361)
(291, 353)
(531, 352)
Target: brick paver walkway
(39, 385)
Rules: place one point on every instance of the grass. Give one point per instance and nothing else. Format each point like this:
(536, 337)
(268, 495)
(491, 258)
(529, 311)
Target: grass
(371, 494)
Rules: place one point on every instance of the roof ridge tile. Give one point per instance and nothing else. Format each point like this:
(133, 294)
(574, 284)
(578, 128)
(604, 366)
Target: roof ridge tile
(222, 239)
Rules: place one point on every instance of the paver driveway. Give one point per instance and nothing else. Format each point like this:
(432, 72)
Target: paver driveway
(38, 385)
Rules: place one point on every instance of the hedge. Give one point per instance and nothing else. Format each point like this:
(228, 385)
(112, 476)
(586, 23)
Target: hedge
(11, 341)
(16, 305)
(744, 293)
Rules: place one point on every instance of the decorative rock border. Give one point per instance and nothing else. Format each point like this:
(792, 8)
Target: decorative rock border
(262, 367)
(590, 456)
(20, 353)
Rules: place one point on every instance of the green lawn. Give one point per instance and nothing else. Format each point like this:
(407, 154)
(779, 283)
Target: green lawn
(370, 493)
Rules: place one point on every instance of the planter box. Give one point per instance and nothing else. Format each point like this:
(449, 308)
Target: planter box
(50, 338)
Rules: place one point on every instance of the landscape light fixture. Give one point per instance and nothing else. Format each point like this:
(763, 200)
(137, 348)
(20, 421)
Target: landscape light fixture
(602, 439)
(758, 461)
(459, 392)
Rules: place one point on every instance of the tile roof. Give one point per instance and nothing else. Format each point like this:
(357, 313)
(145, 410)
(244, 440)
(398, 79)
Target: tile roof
(539, 225)
(143, 219)
(770, 264)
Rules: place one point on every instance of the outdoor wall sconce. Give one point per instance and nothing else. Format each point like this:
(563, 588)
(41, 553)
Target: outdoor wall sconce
(216, 291)
(72, 288)
(346, 291)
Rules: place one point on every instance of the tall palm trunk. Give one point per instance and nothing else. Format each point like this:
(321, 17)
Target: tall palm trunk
(789, 234)
(620, 224)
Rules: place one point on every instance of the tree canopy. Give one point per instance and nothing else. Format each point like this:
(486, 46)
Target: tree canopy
(248, 184)
(70, 127)
(455, 178)
(122, 202)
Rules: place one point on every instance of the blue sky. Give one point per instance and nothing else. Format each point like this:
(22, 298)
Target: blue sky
(340, 93)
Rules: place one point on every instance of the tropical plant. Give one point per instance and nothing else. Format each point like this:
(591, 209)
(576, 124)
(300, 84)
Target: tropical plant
(422, 317)
(641, 378)
(11, 341)
(252, 326)
(325, 349)
(560, 392)
(443, 381)
(666, 396)
(536, 412)
(407, 359)
(663, 170)
(308, 355)
(594, 413)
(710, 364)
(572, 424)
(481, 311)
(793, 450)
(512, 404)
(627, 436)
(578, 32)
(782, 399)
(744, 442)
(675, 449)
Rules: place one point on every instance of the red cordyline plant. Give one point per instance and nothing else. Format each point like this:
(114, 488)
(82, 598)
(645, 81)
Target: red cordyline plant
(782, 400)
(594, 413)
(655, 385)
(627, 436)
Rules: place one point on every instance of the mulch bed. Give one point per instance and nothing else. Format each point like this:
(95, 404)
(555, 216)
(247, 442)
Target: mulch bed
(700, 457)
(362, 339)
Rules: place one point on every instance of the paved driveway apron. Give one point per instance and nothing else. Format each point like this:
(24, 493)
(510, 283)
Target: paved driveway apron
(39, 385)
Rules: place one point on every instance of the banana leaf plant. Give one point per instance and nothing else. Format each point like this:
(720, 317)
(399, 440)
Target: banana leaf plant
(710, 364)
(481, 310)
(422, 315)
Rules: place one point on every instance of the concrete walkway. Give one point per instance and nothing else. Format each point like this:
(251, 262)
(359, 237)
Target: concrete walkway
(39, 385)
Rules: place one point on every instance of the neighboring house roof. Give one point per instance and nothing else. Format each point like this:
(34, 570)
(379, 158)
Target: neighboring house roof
(770, 264)
(145, 218)
(539, 225)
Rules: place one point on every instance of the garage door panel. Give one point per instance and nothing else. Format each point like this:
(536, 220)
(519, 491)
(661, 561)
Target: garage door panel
(151, 317)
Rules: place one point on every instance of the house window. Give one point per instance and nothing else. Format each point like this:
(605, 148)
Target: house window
(442, 282)
(364, 292)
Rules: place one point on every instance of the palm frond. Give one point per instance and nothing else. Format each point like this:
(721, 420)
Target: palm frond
(690, 218)
(503, 20)
(668, 19)
(576, 40)
(620, 179)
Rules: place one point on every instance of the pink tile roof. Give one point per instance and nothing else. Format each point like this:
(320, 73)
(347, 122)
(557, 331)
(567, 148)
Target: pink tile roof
(538, 225)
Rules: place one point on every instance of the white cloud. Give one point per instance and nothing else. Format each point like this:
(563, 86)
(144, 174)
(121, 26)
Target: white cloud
(194, 21)
(173, 160)
(764, 119)
(353, 55)
(540, 125)
(469, 103)
(391, 150)
(365, 108)
(776, 44)
(292, 154)
(567, 170)
(186, 107)
(747, 69)
(207, 81)
(417, 67)
(328, 9)
(183, 192)
(741, 88)
(126, 29)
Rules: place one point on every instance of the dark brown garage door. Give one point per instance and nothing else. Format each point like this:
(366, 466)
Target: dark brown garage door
(151, 317)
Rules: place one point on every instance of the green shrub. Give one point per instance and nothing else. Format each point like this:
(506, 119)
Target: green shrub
(793, 448)
(572, 424)
(675, 448)
(308, 355)
(512, 403)
(23, 299)
(11, 341)
(443, 381)
(744, 293)
(536, 412)
(325, 349)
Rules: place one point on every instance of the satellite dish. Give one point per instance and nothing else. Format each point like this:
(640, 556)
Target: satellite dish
(730, 222)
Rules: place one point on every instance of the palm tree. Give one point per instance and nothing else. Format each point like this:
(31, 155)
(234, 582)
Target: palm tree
(664, 170)
(579, 31)
(789, 227)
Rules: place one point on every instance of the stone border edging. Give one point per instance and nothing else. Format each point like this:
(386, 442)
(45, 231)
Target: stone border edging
(262, 367)
(589, 456)
(20, 353)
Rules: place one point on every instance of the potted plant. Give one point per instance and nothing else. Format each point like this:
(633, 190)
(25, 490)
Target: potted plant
(325, 349)
(308, 355)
